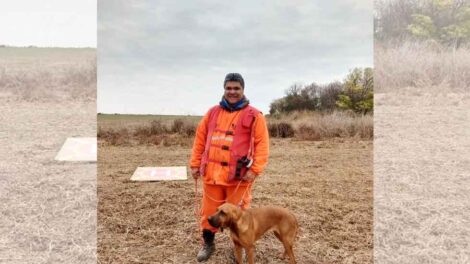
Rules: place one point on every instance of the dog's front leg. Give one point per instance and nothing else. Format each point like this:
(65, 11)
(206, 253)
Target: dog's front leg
(250, 253)
(238, 253)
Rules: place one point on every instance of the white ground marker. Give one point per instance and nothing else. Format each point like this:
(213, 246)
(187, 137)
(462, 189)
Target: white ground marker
(159, 174)
(78, 149)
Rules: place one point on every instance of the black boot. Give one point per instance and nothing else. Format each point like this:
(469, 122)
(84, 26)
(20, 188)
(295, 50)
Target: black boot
(209, 246)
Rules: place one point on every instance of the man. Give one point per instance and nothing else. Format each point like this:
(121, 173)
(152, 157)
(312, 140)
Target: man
(230, 150)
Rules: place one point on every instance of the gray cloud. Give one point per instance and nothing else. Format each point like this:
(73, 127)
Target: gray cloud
(170, 57)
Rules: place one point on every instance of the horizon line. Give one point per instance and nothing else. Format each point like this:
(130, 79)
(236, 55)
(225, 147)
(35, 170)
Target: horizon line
(47, 47)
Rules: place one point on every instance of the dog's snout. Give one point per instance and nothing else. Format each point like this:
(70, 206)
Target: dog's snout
(212, 221)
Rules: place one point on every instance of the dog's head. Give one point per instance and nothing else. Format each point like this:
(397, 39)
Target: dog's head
(226, 215)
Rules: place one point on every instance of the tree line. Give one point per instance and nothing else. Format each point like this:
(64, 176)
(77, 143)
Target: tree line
(444, 21)
(355, 93)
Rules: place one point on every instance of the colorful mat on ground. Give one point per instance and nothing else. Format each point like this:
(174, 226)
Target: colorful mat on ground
(159, 174)
(78, 149)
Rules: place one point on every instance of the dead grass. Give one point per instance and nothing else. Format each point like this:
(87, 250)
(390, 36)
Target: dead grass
(421, 165)
(132, 122)
(424, 65)
(300, 125)
(180, 132)
(421, 154)
(280, 129)
(28, 74)
(116, 138)
(327, 184)
(48, 208)
(320, 126)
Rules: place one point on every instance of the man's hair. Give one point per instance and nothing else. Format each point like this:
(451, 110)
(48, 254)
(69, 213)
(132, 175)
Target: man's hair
(234, 77)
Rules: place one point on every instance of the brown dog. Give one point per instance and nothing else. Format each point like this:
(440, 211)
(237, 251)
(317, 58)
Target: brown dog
(247, 226)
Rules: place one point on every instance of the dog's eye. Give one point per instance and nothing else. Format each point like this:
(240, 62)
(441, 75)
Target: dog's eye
(222, 213)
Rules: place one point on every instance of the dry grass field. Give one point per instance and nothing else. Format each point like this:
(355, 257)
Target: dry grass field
(127, 129)
(421, 67)
(48, 208)
(421, 170)
(421, 153)
(327, 184)
(48, 74)
(132, 122)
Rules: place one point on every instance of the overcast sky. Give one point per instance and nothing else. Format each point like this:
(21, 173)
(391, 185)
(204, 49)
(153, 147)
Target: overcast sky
(48, 23)
(170, 57)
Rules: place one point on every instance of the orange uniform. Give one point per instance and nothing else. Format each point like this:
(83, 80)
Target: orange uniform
(215, 181)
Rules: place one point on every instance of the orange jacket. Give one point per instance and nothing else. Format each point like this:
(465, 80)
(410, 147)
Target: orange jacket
(215, 172)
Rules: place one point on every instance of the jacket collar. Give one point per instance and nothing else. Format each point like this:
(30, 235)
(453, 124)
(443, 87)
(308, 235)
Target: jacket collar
(234, 107)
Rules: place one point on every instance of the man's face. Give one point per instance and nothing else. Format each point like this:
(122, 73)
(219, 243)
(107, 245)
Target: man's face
(233, 92)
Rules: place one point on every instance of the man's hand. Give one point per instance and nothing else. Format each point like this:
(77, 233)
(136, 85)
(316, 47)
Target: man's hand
(195, 173)
(249, 176)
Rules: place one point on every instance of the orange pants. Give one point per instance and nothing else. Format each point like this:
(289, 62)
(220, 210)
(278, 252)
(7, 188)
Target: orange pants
(214, 195)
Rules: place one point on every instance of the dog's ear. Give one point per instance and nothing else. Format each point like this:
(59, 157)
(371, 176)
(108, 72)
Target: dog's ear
(241, 219)
(243, 224)
(236, 213)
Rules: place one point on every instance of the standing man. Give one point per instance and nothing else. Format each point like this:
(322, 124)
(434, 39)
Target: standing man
(230, 150)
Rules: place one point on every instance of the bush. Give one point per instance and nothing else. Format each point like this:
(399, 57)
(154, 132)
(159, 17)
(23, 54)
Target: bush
(113, 137)
(189, 130)
(183, 127)
(318, 126)
(307, 132)
(181, 132)
(282, 130)
(142, 131)
(272, 130)
(177, 126)
(157, 128)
